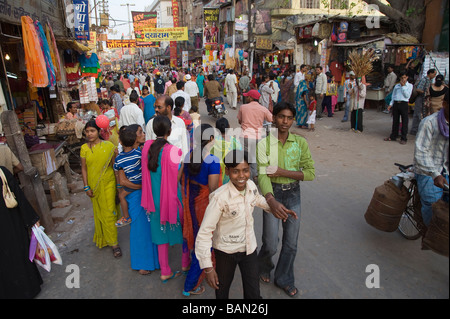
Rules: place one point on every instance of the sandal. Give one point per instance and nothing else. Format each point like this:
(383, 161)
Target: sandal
(264, 278)
(197, 291)
(403, 142)
(174, 275)
(123, 222)
(388, 139)
(291, 291)
(117, 252)
(144, 272)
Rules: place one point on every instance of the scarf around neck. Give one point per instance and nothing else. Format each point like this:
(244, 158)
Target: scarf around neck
(443, 125)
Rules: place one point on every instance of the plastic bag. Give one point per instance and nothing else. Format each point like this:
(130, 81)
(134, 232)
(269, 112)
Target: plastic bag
(45, 251)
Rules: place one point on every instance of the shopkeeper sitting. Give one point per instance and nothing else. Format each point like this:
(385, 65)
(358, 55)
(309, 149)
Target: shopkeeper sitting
(72, 111)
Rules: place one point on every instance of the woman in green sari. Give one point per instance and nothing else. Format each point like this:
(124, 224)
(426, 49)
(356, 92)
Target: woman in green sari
(97, 157)
(200, 83)
(301, 104)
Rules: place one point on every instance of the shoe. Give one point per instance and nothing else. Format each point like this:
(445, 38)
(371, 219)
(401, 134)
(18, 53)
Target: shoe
(402, 142)
(344, 121)
(123, 222)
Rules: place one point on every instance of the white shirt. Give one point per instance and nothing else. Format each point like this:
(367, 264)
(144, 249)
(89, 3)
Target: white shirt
(191, 88)
(321, 83)
(178, 136)
(230, 83)
(187, 99)
(131, 114)
(228, 224)
(401, 93)
(299, 76)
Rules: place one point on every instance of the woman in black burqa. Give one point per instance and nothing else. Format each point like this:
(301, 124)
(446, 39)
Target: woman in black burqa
(19, 277)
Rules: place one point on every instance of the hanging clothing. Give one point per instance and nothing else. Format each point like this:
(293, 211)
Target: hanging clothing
(53, 51)
(34, 57)
(46, 51)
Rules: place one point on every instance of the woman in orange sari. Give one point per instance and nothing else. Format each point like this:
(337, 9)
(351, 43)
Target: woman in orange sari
(201, 177)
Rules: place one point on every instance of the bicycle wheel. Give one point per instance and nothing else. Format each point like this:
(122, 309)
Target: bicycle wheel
(411, 225)
(75, 159)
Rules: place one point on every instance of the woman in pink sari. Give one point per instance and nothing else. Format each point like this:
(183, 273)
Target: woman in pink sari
(161, 169)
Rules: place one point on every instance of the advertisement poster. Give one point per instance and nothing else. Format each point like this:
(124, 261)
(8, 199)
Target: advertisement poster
(211, 29)
(261, 21)
(142, 21)
(185, 59)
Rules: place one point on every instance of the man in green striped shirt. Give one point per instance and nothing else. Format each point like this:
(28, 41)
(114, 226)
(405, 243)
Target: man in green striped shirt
(284, 159)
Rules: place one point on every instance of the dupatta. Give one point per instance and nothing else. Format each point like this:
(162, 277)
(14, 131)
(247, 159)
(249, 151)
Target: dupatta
(169, 202)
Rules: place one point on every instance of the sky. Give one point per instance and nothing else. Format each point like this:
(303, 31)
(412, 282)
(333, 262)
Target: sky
(120, 15)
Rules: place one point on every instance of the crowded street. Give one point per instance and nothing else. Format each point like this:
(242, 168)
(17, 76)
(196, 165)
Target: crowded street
(201, 151)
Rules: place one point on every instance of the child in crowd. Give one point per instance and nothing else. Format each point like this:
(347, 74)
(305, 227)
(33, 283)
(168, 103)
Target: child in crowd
(312, 113)
(228, 228)
(195, 116)
(128, 167)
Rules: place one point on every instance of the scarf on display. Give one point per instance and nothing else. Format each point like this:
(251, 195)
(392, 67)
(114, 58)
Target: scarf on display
(443, 125)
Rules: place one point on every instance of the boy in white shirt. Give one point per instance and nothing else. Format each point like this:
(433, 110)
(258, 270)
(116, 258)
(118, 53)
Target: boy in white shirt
(228, 228)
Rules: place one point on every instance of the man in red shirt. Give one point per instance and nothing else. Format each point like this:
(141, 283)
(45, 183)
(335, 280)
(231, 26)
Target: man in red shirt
(251, 117)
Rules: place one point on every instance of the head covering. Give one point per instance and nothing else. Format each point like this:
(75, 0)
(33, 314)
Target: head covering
(253, 94)
(188, 77)
(351, 73)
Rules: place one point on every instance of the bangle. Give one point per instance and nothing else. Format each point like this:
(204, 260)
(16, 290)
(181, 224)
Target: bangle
(118, 186)
(87, 188)
(208, 272)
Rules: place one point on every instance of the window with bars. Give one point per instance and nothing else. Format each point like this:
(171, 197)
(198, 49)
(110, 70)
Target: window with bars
(310, 4)
(339, 4)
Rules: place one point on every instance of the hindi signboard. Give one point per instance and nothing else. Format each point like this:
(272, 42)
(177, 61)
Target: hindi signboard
(81, 19)
(166, 34)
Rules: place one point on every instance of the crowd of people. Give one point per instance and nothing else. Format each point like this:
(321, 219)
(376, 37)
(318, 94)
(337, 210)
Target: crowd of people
(158, 169)
(177, 181)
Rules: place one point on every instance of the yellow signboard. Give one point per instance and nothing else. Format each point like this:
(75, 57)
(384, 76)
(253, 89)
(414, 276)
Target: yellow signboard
(263, 43)
(166, 34)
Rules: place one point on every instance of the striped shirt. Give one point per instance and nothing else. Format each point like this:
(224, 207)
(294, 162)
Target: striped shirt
(130, 162)
(431, 151)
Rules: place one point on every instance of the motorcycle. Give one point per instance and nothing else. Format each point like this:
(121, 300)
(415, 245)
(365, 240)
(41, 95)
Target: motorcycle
(217, 108)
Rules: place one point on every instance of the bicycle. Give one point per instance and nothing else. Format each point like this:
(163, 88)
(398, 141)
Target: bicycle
(411, 224)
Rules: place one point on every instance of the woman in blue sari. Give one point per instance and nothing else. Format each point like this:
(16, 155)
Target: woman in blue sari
(149, 104)
(200, 83)
(301, 105)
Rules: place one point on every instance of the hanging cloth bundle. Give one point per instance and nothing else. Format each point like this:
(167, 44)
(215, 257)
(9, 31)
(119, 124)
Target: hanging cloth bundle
(34, 58)
(53, 51)
(46, 52)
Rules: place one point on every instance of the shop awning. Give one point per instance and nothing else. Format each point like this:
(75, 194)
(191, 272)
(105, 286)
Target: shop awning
(72, 45)
(358, 43)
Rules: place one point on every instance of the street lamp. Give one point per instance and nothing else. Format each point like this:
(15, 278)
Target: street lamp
(129, 20)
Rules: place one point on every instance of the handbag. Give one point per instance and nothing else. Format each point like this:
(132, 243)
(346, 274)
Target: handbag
(8, 195)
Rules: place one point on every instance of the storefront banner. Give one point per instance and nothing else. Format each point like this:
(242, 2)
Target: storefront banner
(167, 34)
(176, 24)
(263, 43)
(185, 59)
(211, 29)
(142, 21)
(81, 19)
(115, 44)
(50, 11)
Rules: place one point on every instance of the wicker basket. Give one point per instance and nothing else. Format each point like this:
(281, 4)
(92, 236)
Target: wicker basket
(387, 206)
(436, 237)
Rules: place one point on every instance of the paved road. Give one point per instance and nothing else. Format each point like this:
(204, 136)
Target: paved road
(335, 244)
